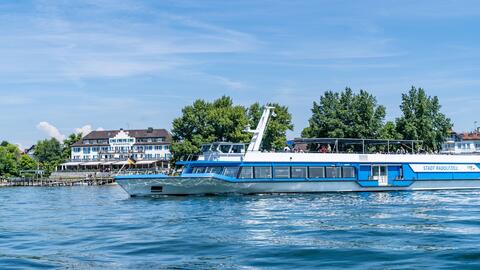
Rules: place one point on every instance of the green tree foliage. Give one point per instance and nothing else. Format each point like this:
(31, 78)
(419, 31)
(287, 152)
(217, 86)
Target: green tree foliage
(277, 127)
(48, 150)
(346, 115)
(49, 154)
(204, 122)
(9, 157)
(27, 163)
(389, 132)
(13, 161)
(67, 145)
(422, 119)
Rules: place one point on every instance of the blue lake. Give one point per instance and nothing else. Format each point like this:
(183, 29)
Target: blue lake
(102, 228)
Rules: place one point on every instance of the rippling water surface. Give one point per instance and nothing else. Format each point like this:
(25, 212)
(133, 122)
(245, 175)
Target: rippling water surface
(101, 227)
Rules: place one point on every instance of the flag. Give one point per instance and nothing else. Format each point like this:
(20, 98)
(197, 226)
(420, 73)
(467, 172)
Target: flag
(131, 161)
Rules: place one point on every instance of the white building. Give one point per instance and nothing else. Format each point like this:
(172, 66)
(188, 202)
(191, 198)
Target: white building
(145, 144)
(462, 143)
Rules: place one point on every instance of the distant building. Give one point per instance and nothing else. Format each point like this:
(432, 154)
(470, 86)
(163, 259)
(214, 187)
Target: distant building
(462, 143)
(108, 150)
(30, 151)
(144, 144)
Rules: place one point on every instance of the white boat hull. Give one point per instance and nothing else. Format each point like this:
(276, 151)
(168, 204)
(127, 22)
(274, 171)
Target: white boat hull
(212, 185)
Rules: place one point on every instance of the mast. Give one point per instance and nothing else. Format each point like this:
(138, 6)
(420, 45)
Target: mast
(258, 133)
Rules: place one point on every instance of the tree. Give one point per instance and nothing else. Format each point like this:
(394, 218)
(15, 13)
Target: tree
(67, 145)
(48, 150)
(204, 122)
(389, 132)
(49, 154)
(27, 163)
(9, 156)
(346, 115)
(276, 133)
(422, 119)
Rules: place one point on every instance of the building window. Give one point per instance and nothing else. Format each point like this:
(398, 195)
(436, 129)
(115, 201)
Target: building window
(246, 173)
(263, 172)
(281, 172)
(299, 172)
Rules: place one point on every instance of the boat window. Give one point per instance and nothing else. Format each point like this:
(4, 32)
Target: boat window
(206, 148)
(231, 171)
(238, 148)
(215, 170)
(246, 172)
(299, 172)
(225, 148)
(316, 172)
(281, 172)
(348, 172)
(199, 170)
(375, 171)
(263, 172)
(333, 172)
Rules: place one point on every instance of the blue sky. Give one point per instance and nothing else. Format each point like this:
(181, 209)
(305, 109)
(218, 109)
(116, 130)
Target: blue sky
(70, 65)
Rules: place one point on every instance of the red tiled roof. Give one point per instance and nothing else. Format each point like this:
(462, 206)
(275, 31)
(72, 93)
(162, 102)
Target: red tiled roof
(470, 136)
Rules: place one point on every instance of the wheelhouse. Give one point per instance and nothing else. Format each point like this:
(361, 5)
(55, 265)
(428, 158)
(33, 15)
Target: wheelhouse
(224, 148)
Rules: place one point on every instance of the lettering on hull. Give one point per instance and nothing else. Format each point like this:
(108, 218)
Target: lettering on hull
(452, 168)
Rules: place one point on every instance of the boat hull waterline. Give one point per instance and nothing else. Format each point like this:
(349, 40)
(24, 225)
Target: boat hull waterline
(213, 185)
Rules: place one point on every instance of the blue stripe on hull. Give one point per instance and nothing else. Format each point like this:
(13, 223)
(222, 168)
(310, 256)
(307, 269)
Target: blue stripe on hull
(212, 185)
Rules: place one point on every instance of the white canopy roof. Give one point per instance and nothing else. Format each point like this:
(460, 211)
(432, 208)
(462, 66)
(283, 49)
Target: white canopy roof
(108, 163)
(71, 163)
(146, 161)
(90, 163)
(124, 162)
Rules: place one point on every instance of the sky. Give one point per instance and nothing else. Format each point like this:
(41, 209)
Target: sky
(70, 66)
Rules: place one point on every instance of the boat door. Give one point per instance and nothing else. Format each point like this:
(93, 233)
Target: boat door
(380, 174)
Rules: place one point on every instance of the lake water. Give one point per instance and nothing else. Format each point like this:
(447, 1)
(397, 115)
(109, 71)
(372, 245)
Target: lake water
(102, 228)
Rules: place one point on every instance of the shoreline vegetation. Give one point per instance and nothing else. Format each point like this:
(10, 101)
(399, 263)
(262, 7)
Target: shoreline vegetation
(340, 114)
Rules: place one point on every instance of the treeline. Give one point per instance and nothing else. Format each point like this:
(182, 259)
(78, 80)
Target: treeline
(342, 114)
(349, 115)
(48, 154)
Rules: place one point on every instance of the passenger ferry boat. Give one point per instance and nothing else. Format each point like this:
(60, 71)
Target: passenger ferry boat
(233, 168)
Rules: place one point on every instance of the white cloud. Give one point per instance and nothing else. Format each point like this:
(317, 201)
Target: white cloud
(50, 130)
(84, 130)
(87, 129)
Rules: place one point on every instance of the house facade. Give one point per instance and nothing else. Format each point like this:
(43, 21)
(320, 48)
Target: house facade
(462, 143)
(118, 145)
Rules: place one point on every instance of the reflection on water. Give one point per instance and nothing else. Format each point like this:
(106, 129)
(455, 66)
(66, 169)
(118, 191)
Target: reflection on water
(101, 227)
